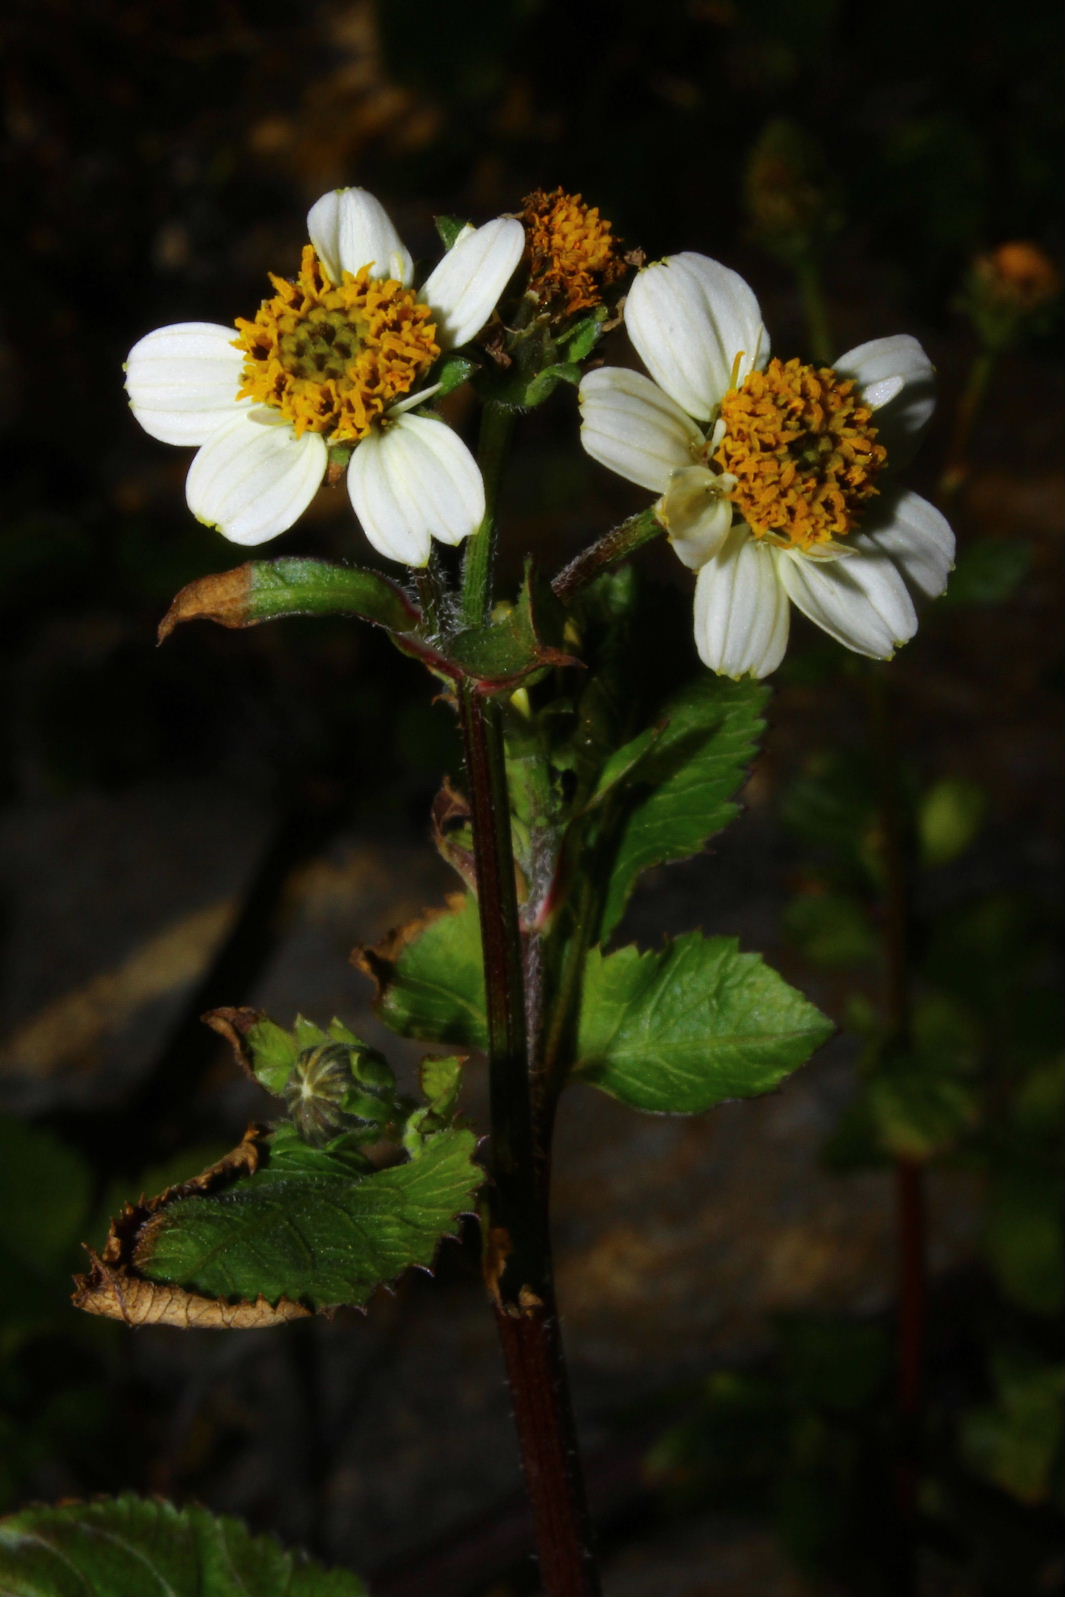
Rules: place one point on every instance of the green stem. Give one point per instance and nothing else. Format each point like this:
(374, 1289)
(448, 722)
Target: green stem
(497, 424)
(815, 308)
(617, 544)
(969, 407)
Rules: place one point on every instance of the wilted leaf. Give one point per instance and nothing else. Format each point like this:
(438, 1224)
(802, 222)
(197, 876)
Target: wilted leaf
(686, 1027)
(266, 590)
(430, 976)
(132, 1547)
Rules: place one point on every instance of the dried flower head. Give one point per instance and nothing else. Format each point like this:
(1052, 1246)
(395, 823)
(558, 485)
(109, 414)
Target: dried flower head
(574, 255)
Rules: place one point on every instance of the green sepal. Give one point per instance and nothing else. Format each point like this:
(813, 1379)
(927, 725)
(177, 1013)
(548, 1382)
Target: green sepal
(680, 1029)
(450, 372)
(449, 228)
(430, 977)
(274, 1052)
(311, 1225)
(135, 1547)
(583, 336)
(543, 385)
(268, 590)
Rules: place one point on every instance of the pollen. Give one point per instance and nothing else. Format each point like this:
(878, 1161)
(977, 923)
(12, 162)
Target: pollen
(802, 447)
(333, 357)
(573, 252)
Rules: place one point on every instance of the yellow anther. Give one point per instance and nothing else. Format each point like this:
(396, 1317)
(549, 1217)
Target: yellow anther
(802, 447)
(333, 357)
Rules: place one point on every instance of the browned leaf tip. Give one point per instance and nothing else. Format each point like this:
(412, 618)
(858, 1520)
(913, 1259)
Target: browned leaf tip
(234, 1025)
(114, 1288)
(450, 820)
(379, 961)
(222, 597)
(118, 1294)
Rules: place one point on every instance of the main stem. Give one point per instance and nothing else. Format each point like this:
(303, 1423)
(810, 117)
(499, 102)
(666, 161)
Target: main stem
(517, 1253)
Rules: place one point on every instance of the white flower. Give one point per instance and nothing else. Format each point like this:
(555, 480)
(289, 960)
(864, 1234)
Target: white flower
(775, 478)
(335, 358)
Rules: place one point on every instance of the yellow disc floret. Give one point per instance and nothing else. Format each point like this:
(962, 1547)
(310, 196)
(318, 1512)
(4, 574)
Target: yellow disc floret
(572, 249)
(332, 357)
(802, 446)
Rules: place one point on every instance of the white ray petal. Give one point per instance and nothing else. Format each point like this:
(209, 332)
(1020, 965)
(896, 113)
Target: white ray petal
(351, 229)
(464, 289)
(897, 378)
(413, 482)
(863, 602)
(914, 535)
(629, 425)
(255, 478)
(689, 319)
(182, 381)
(741, 610)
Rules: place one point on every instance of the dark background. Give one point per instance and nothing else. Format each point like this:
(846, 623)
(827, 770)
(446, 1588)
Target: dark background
(220, 820)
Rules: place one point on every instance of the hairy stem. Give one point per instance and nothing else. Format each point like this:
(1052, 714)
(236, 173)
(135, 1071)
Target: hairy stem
(613, 546)
(517, 1248)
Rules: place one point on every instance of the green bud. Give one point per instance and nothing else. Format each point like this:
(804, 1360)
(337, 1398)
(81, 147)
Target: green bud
(335, 1088)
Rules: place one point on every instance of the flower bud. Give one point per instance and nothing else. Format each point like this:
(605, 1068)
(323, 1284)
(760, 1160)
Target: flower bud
(337, 1088)
(1010, 290)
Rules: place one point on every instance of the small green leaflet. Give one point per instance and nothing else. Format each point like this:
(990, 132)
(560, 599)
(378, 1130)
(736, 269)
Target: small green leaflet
(679, 788)
(431, 978)
(680, 1029)
(131, 1547)
(309, 1226)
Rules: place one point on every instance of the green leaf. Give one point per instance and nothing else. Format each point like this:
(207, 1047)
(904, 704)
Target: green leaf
(681, 1029)
(266, 590)
(430, 977)
(918, 1112)
(679, 790)
(1015, 1442)
(132, 1547)
(309, 1226)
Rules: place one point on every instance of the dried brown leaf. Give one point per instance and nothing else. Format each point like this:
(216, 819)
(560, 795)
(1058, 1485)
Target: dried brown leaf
(222, 597)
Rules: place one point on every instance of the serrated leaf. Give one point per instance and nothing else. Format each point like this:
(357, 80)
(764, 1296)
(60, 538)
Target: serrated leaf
(430, 977)
(309, 1229)
(680, 1029)
(132, 1547)
(681, 790)
(267, 590)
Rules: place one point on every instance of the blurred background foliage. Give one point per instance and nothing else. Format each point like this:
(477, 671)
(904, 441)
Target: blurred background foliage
(853, 162)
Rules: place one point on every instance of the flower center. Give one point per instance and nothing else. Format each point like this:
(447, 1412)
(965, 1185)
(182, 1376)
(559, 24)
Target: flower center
(802, 446)
(332, 357)
(572, 249)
